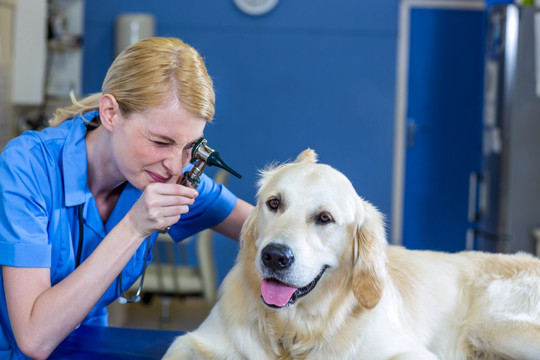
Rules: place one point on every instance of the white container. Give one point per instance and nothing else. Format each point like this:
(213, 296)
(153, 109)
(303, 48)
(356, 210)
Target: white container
(132, 27)
(29, 52)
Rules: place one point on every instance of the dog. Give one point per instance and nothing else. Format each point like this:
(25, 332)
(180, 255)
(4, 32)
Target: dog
(316, 279)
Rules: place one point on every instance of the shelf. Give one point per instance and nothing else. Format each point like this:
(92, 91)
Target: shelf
(67, 43)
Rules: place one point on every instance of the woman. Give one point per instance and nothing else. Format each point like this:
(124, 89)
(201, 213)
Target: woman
(82, 201)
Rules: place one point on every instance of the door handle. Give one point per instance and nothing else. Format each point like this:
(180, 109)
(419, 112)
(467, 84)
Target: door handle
(412, 129)
(470, 239)
(474, 213)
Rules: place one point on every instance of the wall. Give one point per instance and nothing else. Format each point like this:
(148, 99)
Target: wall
(312, 73)
(7, 16)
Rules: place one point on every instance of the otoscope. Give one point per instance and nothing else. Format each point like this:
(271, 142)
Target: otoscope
(201, 156)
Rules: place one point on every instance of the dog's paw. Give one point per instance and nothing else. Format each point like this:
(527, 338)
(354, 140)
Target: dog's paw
(185, 353)
(186, 348)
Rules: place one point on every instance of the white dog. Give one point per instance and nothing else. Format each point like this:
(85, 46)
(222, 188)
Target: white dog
(315, 279)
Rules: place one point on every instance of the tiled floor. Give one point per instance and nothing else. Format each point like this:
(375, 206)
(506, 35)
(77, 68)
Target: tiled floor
(183, 315)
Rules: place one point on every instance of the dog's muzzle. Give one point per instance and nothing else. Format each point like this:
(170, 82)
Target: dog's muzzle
(274, 293)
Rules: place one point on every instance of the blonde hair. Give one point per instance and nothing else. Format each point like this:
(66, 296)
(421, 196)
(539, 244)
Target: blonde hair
(145, 74)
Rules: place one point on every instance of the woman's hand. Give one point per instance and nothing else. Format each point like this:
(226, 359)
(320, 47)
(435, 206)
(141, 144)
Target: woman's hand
(161, 205)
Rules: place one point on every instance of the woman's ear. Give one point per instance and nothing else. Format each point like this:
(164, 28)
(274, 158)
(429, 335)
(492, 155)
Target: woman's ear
(108, 110)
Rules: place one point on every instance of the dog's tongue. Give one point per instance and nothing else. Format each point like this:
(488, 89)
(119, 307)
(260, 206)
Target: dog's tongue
(276, 293)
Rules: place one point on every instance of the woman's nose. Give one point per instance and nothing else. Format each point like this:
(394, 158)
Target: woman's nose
(176, 162)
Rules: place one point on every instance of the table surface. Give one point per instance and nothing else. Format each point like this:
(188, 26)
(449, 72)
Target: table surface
(104, 343)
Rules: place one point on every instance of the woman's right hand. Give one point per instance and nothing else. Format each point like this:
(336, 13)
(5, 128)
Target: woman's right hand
(161, 205)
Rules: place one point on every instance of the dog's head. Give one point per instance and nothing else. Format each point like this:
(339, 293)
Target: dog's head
(308, 226)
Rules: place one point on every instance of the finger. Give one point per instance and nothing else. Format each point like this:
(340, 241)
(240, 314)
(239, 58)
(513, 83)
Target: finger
(168, 201)
(170, 196)
(175, 210)
(175, 189)
(172, 218)
(170, 221)
(168, 216)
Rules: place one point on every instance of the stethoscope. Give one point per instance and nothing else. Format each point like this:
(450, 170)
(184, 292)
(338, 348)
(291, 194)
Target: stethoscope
(122, 299)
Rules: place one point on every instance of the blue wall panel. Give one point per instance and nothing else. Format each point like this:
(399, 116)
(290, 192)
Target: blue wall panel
(446, 85)
(312, 73)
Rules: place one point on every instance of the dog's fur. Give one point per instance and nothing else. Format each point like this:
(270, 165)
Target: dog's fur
(373, 301)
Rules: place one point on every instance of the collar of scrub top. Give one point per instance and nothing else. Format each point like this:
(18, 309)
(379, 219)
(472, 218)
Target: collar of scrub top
(74, 159)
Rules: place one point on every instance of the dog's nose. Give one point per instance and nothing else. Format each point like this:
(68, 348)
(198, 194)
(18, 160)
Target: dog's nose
(277, 256)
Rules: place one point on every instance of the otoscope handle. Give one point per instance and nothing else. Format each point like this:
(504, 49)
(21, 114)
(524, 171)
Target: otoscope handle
(192, 182)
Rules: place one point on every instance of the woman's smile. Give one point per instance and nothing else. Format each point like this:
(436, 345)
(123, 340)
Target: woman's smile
(156, 177)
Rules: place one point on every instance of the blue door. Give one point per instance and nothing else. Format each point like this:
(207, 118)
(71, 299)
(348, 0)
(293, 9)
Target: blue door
(444, 121)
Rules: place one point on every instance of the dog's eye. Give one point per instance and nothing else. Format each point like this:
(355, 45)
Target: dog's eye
(273, 203)
(325, 218)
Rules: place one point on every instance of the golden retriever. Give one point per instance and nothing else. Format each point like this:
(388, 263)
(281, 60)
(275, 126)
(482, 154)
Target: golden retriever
(315, 279)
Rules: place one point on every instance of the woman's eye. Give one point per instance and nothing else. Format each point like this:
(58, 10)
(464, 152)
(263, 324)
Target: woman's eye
(160, 143)
(273, 203)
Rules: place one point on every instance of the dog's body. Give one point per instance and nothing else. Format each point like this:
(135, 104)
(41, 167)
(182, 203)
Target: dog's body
(315, 280)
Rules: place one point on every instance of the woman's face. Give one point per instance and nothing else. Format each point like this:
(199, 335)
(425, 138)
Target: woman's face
(155, 145)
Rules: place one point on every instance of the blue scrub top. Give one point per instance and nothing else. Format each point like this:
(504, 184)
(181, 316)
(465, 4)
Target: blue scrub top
(42, 183)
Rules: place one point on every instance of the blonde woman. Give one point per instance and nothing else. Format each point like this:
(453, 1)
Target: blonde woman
(82, 200)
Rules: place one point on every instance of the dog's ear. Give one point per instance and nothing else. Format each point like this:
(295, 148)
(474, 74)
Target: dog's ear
(369, 256)
(249, 230)
(248, 237)
(306, 156)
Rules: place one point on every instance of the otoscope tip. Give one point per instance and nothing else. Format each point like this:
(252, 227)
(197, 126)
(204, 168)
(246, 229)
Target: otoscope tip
(215, 160)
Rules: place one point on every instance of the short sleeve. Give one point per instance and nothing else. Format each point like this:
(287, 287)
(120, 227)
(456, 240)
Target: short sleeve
(24, 238)
(214, 203)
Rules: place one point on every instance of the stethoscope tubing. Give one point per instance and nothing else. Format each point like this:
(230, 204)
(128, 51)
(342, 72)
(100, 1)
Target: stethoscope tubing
(122, 299)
